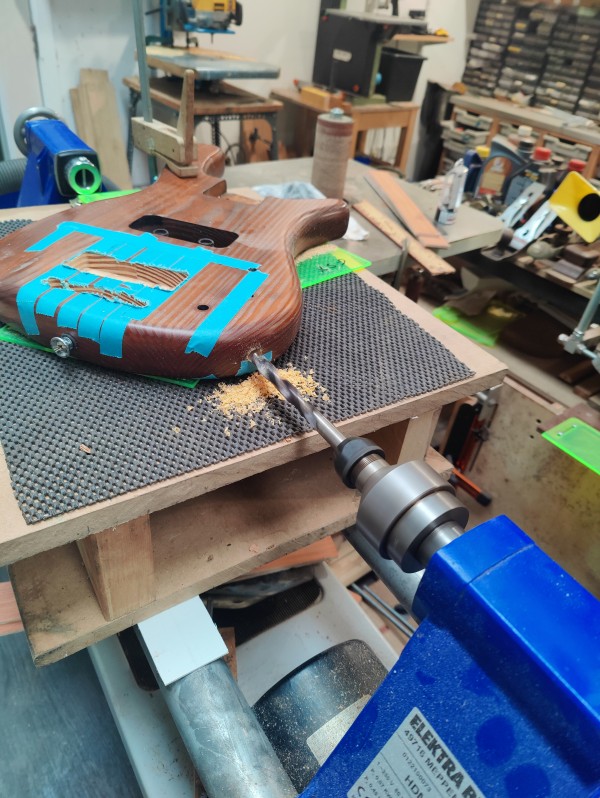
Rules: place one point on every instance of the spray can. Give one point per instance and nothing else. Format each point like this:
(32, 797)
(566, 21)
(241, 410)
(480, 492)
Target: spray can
(452, 193)
(332, 150)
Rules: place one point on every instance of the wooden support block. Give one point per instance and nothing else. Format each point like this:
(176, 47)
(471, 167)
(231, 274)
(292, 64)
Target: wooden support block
(308, 555)
(120, 565)
(409, 439)
(157, 138)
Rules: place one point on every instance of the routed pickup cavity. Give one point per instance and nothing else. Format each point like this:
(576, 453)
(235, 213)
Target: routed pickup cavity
(184, 231)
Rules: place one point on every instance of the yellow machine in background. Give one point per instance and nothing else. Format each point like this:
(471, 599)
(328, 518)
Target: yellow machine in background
(210, 16)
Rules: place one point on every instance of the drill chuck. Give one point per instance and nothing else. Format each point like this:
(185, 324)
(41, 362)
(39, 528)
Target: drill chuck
(402, 506)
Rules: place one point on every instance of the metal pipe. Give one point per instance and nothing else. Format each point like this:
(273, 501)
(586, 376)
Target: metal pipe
(228, 746)
(589, 313)
(140, 43)
(403, 586)
(401, 622)
(381, 609)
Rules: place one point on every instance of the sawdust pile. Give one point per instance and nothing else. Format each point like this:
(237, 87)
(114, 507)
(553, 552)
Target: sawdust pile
(250, 396)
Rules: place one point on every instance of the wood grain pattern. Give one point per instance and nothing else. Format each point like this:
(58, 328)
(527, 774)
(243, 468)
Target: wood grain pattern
(120, 564)
(394, 196)
(197, 545)
(401, 237)
(159, 333)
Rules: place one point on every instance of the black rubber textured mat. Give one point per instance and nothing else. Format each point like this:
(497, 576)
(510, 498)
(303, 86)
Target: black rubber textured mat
(140, 431)
(11, 225)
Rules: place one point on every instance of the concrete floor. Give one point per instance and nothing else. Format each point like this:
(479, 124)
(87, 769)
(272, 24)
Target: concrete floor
(58, 738)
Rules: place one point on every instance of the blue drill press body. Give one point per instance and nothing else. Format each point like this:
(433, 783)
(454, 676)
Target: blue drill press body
(51, 146)
(498, 692)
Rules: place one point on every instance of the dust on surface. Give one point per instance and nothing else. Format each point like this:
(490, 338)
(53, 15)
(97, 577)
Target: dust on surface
(252, 395)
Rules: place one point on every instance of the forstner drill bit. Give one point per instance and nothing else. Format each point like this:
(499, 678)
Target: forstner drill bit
(291, 394)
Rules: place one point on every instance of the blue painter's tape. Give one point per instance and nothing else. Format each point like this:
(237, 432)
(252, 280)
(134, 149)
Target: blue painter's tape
(62, 230)
(113, 327)
(91, 321)
(71, 311)
(48, 303)
(247, 366)
(27, 296)
(209, 331)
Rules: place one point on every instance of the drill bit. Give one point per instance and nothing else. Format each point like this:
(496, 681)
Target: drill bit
(291, 394)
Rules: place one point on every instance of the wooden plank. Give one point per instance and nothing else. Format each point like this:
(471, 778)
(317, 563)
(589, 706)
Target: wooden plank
(98, 106)
(19, 540)
(10, 619)
(551, 496)
(391, 192)
(83, 121)
(308, 555)
(578, 372)
(120, 565)
(588, 387)
(230, 100)
(418, 436)
(402, 238)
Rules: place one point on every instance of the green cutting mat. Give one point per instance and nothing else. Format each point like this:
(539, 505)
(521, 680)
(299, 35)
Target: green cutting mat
(327, 265)
(577, 439)
(483, 328)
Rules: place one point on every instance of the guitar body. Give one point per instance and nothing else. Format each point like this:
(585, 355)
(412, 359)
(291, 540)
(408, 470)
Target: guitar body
(175, 280)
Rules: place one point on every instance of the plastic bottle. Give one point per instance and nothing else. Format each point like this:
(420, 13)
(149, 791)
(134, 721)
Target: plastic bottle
(473, 160)
(452, 193)
(539, 167)
(574, 165)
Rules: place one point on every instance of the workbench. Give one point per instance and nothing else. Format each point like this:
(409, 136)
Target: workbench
(91, 572)
(472, 229)
(365, 117)
(231, 103)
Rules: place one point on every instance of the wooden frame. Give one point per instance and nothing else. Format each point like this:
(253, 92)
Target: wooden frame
(267, 503)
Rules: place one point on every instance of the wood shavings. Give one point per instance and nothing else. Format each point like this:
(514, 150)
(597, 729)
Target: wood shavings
(189, 408)
(227, 432)
(176, 430)
(248, 397)
(85, 448)
(253, 548)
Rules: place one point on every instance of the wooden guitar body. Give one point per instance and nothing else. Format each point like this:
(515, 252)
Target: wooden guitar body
(174, 281)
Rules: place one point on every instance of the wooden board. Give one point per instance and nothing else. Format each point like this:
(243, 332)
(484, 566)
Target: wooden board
(552, 497)
(391, 192)
(10, 619)
(198, 545)
(98, 124)
(230, 100)
(166, 306)
(425, 257)
(19, 540)
(208, 64)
